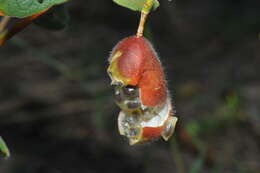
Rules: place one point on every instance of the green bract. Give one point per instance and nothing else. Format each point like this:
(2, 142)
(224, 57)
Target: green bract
(24, 8)
(135, 5)
(3, 148)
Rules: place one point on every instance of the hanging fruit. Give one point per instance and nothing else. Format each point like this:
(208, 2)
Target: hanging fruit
(140, 91)
(140, 85)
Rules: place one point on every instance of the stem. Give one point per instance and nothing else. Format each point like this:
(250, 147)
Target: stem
(4, 22)
(144, 13)
(140, 29)
(17, 27)
(177, 156)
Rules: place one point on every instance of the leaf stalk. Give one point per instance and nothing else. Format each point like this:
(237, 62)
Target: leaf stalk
(144, 13)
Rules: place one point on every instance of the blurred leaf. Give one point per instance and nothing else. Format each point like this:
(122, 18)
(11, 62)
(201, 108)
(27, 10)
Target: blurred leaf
(197, 165)
(56, 18)
(25, 8)
(233, 102)
(3, 148)
(135, 5)
(224, 116)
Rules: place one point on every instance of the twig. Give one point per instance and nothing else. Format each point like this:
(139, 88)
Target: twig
(177, 156)
(17, 27)
(4, 22)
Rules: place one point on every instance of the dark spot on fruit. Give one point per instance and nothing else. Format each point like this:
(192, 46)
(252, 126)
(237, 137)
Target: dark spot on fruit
(130, 91)
(133, 104)
(118, 96)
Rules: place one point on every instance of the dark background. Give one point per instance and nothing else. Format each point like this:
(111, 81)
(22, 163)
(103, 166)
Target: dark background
(57, 112)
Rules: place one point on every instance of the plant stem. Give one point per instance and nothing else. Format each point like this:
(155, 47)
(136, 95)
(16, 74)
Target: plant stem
(140, 29)
(177, 156)
(17, 27)
(6, 34)
(4, 22)
(144, 13)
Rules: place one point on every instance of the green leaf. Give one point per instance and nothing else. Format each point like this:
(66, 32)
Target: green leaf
(25, 8)
(3, 148)
(135, 5)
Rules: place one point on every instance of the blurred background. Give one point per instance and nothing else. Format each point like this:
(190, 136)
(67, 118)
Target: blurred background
(57, 112)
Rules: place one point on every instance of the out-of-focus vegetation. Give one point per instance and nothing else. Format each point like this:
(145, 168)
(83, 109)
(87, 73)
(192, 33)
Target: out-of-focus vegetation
(26, 8)
(56, 105)
(3, 148)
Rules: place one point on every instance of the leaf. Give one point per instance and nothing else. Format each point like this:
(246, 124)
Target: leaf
(56, 18)
(17, 27)
(135, 5)
(25, 8)
(3, 148)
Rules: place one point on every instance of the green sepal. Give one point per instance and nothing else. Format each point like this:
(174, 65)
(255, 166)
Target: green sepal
(136, 5)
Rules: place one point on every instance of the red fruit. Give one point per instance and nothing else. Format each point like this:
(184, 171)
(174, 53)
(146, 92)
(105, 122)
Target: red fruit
(137, 63)
(141, 91)
(152, 132)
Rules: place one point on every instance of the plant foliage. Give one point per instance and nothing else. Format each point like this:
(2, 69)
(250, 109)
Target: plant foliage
(135, 5)
(25, 8)
(3, 148)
